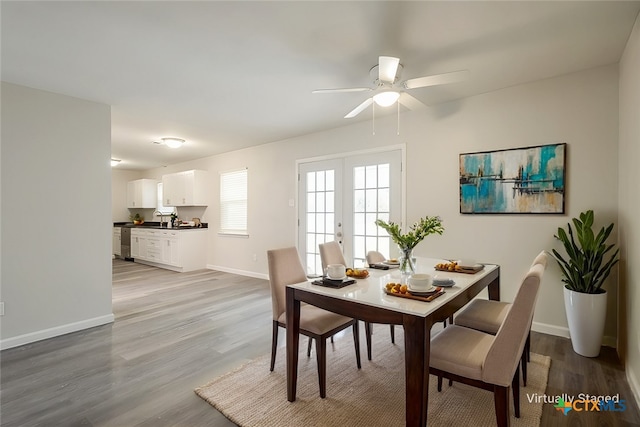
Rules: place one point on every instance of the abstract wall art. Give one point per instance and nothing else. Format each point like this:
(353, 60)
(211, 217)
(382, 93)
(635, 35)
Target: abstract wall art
(519, 180)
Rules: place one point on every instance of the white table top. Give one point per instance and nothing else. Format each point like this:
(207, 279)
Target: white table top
(370, 291)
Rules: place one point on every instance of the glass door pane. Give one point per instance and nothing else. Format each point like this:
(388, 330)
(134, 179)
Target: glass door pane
(320, 211)
(375, 183)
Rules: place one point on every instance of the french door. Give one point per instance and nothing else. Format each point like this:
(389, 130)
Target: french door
(341, 198)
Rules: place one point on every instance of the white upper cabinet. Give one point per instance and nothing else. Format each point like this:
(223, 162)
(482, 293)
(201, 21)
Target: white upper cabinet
(142, 193)
(187, 188)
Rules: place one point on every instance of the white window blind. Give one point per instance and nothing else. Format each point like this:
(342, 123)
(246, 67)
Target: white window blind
(233, 202)
(164, 210)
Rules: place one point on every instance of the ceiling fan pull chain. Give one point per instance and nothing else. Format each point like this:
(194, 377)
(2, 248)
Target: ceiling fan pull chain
(398, 127)
(373, 120)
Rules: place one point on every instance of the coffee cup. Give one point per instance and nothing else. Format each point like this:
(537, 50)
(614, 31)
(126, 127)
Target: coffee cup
(420, 282)
(336, 271)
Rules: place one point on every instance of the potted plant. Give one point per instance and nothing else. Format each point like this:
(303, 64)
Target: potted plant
(137, 219)
(406, 242)
(585, 266)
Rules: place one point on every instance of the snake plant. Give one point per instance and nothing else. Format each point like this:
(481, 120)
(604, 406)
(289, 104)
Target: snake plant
(584, 267)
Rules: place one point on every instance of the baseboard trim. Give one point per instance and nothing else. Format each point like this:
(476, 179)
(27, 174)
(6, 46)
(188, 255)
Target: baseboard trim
(563, 331)
(634, 385)
(54, 332)
(238, 272)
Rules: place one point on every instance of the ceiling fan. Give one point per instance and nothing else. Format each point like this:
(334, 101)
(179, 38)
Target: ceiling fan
(388, 89)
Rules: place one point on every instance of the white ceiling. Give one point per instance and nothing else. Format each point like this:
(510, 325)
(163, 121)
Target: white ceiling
(228, 75)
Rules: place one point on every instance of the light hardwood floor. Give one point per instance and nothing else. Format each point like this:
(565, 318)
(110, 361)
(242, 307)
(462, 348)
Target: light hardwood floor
(176, 331)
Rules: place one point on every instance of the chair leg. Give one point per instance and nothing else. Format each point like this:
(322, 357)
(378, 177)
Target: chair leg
(515, 386)
(523, 363)
(309, 347)
(274, 345)
(393, 334)
(439, 382)
(501, 402)
(356, 342)
(321, 355)
(367, 332)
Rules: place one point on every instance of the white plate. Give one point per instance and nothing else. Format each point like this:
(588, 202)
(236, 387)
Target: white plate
(425, 292)
(391, 262)
(444, 283)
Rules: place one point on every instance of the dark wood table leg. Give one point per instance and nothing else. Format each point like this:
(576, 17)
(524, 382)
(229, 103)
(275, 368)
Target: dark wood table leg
(293, 339)
(494, 288)
(417, 345)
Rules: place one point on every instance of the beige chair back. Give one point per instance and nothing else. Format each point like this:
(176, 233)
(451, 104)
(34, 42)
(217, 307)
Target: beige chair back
(541, 259)
(331, 253)
(374, 257)
(505, 352)
(285, 268)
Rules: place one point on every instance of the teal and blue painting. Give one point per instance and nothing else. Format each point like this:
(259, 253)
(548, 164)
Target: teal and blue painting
(520, 180)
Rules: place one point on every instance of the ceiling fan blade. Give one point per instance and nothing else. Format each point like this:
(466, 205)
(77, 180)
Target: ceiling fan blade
(359, 108)
(348, 89)
(410, 102)
(387, 68)
(436, 79)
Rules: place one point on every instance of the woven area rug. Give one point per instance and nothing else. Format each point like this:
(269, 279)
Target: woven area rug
(371, 396)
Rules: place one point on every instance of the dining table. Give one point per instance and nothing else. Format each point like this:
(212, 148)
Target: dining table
(367, 300)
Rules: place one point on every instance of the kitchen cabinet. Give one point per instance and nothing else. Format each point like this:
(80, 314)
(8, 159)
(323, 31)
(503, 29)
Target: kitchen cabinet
(170, 248)
(177, 250)
(117, 241)
(142, 194)
(188, 188)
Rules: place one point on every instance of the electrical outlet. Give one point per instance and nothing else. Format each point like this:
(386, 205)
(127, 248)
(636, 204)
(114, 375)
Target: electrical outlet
(1, 308)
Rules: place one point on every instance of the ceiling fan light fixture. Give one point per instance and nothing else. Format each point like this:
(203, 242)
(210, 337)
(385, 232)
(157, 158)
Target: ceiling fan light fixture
(387, 98)
(173, 142)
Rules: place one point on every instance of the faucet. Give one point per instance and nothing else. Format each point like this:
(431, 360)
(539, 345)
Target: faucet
(161, 217)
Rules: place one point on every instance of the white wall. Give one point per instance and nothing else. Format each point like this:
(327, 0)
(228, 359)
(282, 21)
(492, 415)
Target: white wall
(579, 109)
(629, 196)
(56, 215)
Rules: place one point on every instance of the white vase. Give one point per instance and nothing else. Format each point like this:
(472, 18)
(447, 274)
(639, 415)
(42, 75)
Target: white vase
(586, 316)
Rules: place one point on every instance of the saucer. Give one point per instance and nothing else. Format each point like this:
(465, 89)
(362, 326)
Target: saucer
(445, 283)
(427, 292)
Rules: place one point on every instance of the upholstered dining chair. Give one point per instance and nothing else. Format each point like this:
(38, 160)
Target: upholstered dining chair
(374, 257)
(285, 268)
(486, 361)
(487, 316)
(331, 253)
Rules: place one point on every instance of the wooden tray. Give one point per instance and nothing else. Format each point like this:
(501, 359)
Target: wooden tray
(430, 298)
(467, 270)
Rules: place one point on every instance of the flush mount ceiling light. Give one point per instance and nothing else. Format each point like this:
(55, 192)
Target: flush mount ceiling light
(173, 142)
(385, 99)
(114, 162)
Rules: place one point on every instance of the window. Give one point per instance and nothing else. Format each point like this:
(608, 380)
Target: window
(233, 202)
(164, 210)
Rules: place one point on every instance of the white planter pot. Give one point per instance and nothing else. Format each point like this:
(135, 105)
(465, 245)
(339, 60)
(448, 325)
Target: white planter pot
(586, 316)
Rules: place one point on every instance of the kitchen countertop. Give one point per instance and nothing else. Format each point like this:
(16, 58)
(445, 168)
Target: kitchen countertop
(156, 225)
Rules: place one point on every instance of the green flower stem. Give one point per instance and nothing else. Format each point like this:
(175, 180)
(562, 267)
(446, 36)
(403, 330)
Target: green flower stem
(418, 231)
